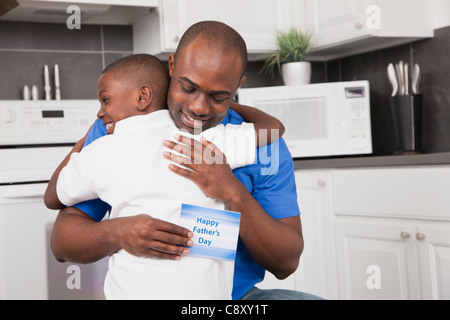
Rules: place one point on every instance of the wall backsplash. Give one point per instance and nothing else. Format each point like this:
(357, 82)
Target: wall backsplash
(82, 54)
(433, 57)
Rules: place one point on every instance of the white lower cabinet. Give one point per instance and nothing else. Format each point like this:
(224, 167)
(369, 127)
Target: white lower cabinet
(392, 259)
(376, 260)
(373, 233)
(434, 262)
(393, 232)
(316, 273)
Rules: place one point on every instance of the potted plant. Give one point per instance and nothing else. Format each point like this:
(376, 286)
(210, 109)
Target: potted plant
(290, 59)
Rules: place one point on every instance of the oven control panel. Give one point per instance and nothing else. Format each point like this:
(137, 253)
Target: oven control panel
(45, 122)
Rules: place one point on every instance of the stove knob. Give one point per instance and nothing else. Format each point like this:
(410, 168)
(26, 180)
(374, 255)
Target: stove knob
(7, 116)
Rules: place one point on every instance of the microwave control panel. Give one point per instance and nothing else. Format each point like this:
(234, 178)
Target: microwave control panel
(359, 114)
(359, 120)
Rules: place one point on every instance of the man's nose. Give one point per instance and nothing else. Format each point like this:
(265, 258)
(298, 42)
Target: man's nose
(199, 106)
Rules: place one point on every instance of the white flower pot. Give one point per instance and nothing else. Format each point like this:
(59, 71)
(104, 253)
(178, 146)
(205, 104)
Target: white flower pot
(296, 73)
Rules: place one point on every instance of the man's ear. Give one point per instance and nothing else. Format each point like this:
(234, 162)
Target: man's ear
(145, 98)
(171, 63)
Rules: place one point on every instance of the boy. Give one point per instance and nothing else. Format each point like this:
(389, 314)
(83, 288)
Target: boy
(126, 170)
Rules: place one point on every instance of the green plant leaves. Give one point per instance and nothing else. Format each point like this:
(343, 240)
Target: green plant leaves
(294, 46)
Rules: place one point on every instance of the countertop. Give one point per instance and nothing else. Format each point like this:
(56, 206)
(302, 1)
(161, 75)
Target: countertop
(373, 161)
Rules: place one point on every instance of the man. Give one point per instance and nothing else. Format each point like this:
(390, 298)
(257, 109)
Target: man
(206, 72)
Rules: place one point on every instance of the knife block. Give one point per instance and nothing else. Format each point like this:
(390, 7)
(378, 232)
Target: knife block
(407, 119)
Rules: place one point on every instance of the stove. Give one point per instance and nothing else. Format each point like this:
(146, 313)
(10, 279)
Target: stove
(35, 136)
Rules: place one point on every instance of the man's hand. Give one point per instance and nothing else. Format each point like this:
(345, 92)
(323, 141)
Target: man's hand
(144, 236)
(205, 165)
(78, 238)
(261, 234)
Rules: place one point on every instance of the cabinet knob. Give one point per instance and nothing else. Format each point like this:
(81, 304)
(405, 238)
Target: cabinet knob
(405, 235)
(420, 236)
(176, 39)
(358, 25)
(321, 183)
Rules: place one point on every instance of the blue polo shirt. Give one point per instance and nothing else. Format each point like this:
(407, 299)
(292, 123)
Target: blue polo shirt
(270, 180)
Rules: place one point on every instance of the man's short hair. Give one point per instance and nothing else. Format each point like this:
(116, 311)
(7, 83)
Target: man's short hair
(142, 69)
(219, 35)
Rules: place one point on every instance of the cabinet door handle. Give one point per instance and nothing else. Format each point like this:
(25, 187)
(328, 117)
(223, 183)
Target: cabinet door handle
(358, 25)
(405, 235)
(420, 236)
(321, 183)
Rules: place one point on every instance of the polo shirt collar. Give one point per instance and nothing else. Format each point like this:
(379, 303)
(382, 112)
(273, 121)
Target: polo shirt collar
(156, 119)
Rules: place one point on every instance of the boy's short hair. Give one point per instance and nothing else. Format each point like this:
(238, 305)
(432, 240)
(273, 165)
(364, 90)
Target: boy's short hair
(142, 69)
(219, 34)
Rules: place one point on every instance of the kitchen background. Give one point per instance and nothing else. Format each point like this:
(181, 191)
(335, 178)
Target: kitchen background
(82, 54)
(357, 212)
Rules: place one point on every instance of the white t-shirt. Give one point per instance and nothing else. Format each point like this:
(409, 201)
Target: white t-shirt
(127, 170)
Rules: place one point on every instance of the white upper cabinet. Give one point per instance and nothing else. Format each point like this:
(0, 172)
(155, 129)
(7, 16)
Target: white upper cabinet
(256, 20)
(340, 27)
(115, 12)
(335, 21)
(346, 27)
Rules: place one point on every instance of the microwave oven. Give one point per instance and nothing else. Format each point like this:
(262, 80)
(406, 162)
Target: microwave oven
(325, 119)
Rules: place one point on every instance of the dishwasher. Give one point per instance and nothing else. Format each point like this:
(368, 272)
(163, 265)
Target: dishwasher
(35, 136)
